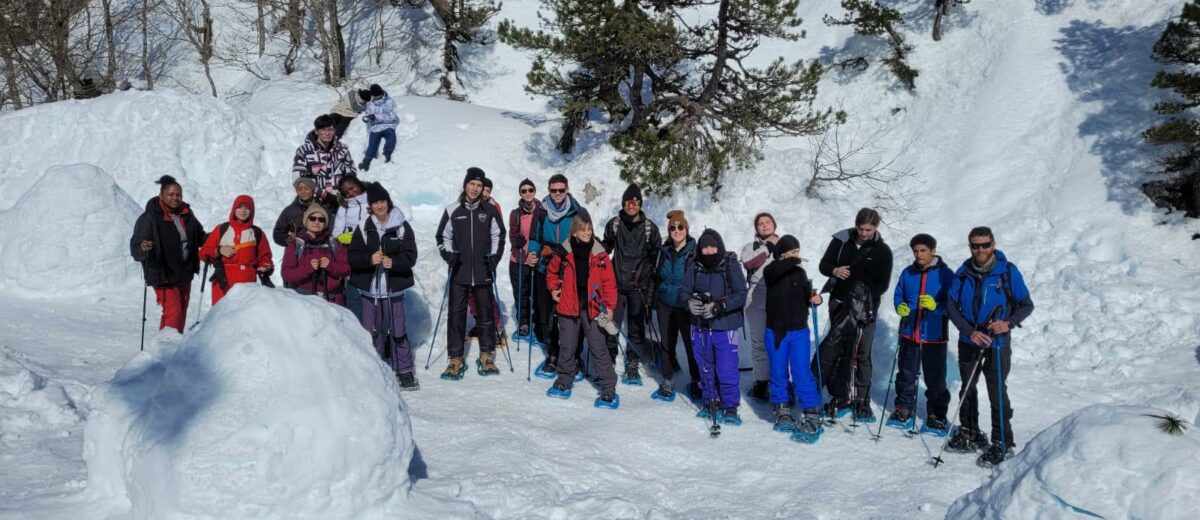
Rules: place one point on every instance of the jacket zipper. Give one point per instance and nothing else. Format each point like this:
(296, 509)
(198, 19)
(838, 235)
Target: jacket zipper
(917, 324)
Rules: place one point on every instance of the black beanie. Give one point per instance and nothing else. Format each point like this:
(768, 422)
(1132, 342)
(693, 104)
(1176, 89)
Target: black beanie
(633, 192)
(364, 95)
(473, 174)
(526, 182)
(785, 244)
(376, 192)
(376, 90)
(487, 183)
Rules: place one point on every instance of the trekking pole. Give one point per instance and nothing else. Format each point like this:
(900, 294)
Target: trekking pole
(816, 326)
(496, 305)
(883, 413)
(1000, 399)
(142, 348)
(438, 322)
(200, 304)
(851, 381)
(715, 429)
(963, 393)
(520, 279)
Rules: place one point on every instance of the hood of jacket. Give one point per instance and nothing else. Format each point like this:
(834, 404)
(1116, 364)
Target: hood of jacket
(710, 237)
(238, 201)
(937, 262)
(395, 219)
(848, 234)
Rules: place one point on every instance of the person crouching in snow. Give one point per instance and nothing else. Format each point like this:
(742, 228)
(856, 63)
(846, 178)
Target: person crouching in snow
(314, 263)
(788, 295)
(237, 250)
(383, 252)
(381, 123)
(582, 283)
(714, 288)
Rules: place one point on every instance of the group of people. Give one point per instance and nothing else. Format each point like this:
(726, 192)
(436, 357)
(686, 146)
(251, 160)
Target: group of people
(578, 291)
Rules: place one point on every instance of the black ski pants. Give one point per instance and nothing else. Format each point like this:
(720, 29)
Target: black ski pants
(521, 277)
(929, 360)
(456, 325)
(631, 309)
(673, 322)
(995, 378)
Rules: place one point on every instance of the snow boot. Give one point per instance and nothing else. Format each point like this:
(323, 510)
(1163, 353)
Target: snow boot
(935, 426)
(455, 370)
(486, 365)
(902, 419)
(729, 416)
(784, 422)
(759, 392)
(631, 375)
(838, 408)
(364, 166)
(559, 390)
(523, 333)
(967, 441)
(387, 157)
(808, 429)
(408, 382)
(862, 411)
(548, 369)
(994, 456)
(665, 392)
(608, 399)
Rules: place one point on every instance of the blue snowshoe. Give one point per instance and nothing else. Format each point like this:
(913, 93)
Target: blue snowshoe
(836, 409)
(808, 429)
(545, 372)
(631, 375)
(902, 419)
(935, 426)
(665, 392)
(784, 422)
(608, 399)
(706, 411)
(559, 391)
(729, 416)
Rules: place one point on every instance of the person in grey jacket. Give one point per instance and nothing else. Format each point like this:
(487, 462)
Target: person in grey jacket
(756, 256)
(381, 119)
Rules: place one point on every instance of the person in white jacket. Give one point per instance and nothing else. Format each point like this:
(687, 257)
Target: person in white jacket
(381, 119)
(348, 107)
(755, 257)
(351, 213)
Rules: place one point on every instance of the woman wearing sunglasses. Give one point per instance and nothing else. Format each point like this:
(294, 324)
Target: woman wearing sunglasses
(315, 263)
(522, 262)
(672, 312)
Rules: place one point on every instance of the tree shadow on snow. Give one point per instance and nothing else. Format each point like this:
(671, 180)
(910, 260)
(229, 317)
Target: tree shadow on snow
(1198, 354)
(1052, 7)
(165, 403)
(1111, 67)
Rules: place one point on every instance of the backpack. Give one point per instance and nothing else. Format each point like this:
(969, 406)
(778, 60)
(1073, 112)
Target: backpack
(1005, 285)
(258, 232)
(730, 259)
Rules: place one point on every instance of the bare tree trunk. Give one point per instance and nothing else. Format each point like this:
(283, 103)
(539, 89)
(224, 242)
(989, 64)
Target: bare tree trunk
(200, 34)
(144, 16)
(10, 75)
(261, 25)
(109, 82)
(294, 23)
(337, 61)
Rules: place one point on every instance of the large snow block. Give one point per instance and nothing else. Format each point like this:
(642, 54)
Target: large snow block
(1105, 461)
(276, 406)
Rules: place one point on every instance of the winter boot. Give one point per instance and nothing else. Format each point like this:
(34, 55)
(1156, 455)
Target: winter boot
(967, 441)
(608, 399)
(808, 429)
(408, 382)
(729, 416)
(838, 408)
(759, 392)
(548, 369)
(935, 425)
(784, 422)
(631, 376)
(559, 390)
(523, 332)
(365, 165)
(387, 157)
(455, 369)
(994, 456)
(862, 411)
(902, 419)
(665, 392)
(486, 364)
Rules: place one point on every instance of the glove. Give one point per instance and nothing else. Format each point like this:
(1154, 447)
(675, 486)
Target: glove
(369, 118)
(927, 302)
(344, 238)
(695, 307)
(547, 251)
(708, 310)
(903, 310)
(450, 258)
(519, 242)
(492, 262)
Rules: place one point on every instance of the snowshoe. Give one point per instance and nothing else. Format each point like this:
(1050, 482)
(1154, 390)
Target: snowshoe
(729, 416)
(548, 369)
(694, 391)
(760, 392)
(364, 166)
(579, 375)
(559, 391)
(837, 408)
(935, 426)
(902, 419)
(994, 456)
(455, 370)
(608, 399)
(408, 382)
(863, 412)
(486, 365)
(784, 422)
(808, 429)
(665, 392)
(631, 375)
(706, 411)
(967, 441)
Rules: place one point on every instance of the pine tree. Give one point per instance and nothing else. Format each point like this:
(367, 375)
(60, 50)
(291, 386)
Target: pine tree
(463, 23)
(1179, 46)
(874, 20)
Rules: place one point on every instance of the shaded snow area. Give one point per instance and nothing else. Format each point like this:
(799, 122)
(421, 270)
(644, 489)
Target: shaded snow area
(1027, 118)
(1101, 461)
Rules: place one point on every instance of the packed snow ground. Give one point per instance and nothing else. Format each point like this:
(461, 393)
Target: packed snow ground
(1026, 118)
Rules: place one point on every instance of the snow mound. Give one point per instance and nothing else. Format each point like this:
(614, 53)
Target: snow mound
(29, 401)
(73, 228)
(275, 407)
(1106, 461)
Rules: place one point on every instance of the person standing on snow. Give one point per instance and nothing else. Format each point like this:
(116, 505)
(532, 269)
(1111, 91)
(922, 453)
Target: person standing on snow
(166, 241)
(325, 159)
(715, 291)
(383, 252)
(673, 322)
(755, 257)
(855, 256)
(381, 122)
(521, 266)
(291, 220)
(237, 250)
(920, 299)
(987, 299)
(470, 241)
(633, 241)
(351, 213)
(581, 281)
(551, 226)
(787, 293)
(497, 318)
(348, 107)
(314, 263)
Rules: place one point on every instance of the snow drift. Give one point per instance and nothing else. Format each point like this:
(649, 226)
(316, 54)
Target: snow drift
(29, 401)
(1107, 461)
(69, 234)
(275, 407)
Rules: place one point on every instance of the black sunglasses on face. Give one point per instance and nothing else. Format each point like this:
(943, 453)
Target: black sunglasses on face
(677, 228)
(527, 190)
(316, 219)
(554, 191)
(981, 245)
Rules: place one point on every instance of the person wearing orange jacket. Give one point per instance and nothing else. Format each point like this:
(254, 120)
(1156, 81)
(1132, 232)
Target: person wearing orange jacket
(581, 281)
(237, 249)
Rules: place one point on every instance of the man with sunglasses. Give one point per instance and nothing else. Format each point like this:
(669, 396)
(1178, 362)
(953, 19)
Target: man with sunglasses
(633, 241)
(988, 298)
(551, 227)
(521, 264)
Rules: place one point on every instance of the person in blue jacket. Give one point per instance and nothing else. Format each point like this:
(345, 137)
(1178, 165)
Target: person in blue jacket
(714, 288)
(551, 227)
(987, 299)
(920, 301)
(673, 319)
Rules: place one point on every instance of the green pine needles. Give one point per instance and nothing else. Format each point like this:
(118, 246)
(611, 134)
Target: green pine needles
(1179, 135)
(1170, 424)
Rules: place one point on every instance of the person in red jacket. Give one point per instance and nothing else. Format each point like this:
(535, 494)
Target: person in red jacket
(237, 249)
(580, 276)
(315, 263)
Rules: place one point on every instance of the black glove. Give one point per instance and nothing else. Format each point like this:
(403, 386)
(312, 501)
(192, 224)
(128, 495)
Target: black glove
(519, 242)
(493, 261)
(369, 118)
(718, 308)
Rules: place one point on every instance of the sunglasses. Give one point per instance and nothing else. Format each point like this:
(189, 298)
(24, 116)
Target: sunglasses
(316, 219)
(558, 191)
(528, 190)
(981, 245)
(677, 228)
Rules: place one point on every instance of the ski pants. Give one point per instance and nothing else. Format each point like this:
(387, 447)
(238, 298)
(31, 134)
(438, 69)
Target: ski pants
(546, 327)
(571, 328)
(173, 299)
(673, 323)
(340, 124)
(631, 309)
(521, 277)
(388, 136)
(995, 378)
(756, 324)
(846, 365)
(717, 354)
(792, 353)
(929, 358)
(456, 324)
(384, 319)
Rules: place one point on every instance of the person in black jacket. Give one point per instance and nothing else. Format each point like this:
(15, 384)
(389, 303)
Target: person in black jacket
(166, 241)
(289, 223)
(788, 295)
(470, 240)
(382, 255)
(855, 255)
(633, 241)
